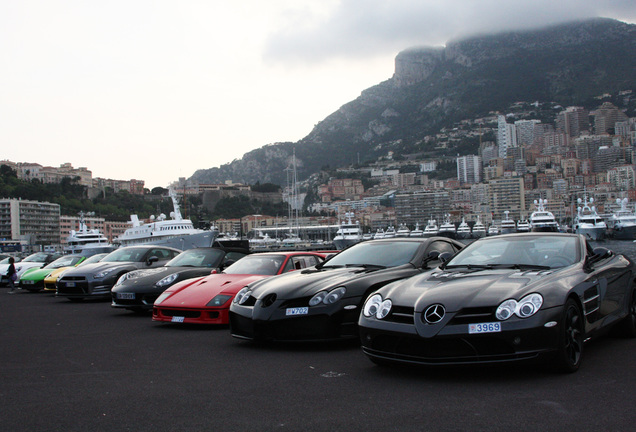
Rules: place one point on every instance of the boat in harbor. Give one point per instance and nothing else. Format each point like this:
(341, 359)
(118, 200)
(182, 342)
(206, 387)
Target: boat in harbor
(542, 220)
(588, 222)
(479, 230)
(403, 231)
(507, 226)
(177, 232)
(431, 229)
(87, 242)
(417, 231)
(523, 225)
(623, 221)
(447, 228)
(349, 232)
(390, 232)
(463, 230)
(379, 234)
(493, 230)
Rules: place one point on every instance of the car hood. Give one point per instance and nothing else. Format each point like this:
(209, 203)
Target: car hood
(202, 291)
(91, 269)
(35, 274)
(457, 290)
(308, 282)
(144, 278)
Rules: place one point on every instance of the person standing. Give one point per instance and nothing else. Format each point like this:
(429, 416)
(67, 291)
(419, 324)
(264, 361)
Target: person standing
(12, 275)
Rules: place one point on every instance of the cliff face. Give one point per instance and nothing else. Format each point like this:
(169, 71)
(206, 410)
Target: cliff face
(433, 87)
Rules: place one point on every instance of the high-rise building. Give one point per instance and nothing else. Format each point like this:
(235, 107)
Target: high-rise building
(573, 121)
(506, 136)
(469, 169)
(418, 207)
(34, 222)
(526, 131)
(605, 118)
(507, 194)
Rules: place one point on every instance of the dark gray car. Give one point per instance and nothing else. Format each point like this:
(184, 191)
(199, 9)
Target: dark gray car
(96, 280)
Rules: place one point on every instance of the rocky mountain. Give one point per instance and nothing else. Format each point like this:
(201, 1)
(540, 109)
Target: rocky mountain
(431, 88)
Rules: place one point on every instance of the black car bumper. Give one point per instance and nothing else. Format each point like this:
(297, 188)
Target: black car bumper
(134, 300)
(320, 323)
(520, 340)
(79, 288)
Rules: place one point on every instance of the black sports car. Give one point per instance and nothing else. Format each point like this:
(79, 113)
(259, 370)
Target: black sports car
(96, 280)
(503, 298)
(323, 302)
(137, 290)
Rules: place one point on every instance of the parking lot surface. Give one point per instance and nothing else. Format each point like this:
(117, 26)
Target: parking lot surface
(85, 366)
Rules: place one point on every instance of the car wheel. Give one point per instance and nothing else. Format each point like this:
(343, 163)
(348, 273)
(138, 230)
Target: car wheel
(628, 326)
(570, 351)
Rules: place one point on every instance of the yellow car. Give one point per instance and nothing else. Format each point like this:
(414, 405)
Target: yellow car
(50, 281)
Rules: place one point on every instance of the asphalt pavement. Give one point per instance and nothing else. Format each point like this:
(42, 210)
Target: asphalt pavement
(85, 366)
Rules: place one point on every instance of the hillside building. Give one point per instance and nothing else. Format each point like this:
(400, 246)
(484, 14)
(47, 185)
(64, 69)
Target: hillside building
(34, 222)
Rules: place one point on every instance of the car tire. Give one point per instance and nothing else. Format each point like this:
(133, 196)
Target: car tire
(571, 337)
(628, 325)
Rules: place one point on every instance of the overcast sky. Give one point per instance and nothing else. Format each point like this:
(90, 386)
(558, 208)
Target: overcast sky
(156, 89)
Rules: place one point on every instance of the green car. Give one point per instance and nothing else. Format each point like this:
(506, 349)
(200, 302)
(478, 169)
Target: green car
(33, 278)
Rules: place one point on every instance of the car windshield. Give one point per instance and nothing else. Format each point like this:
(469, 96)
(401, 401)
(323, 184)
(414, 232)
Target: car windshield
(197, 258)
(257, 264)
(519, 251)
(93, 259)
(36, 257)
(129, 254)
(65, 261)
(378, 253)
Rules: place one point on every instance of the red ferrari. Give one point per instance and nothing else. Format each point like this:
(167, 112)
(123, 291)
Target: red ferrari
(206, 300)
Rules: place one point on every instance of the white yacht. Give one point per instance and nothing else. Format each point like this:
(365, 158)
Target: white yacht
(624, 221)
(403, 231)
(541, 219)
(177, 232)
(463, 230)
(447, 228)
(479, 230)
(431, 229)
(523, 225)
(86, 241)
(588, 222)
(417, 231)
(507, 225)
(379, 234)
(263, 242)
(390, 232)
(348, 233)
(493, 230)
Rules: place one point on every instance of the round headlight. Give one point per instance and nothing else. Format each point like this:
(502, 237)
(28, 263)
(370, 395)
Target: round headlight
(317, 298)
(372, 305)
(168, 280)
(529, 305)
(506, 309)
(384, 310)
(242, 295)
(334, 295)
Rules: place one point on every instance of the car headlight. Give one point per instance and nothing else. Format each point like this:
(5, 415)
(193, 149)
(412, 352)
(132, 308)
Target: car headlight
(122, 278)
(242, 295)
(327, 297)
(377, 306)
(167, 280)
(104, 273)
(164, 295)
(526, 307)
(219, 300)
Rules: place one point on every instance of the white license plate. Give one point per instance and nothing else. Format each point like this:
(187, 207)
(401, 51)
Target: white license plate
(70, 284)
(177, 319)
(126, 296)
(28, 282)
(493, 327)
(297, 311)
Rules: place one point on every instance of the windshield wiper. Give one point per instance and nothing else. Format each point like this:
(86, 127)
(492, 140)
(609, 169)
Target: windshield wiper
(523, 266)
(366, 266)
(470, 266)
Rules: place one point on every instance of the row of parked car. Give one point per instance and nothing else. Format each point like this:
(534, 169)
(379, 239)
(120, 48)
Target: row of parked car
(409, 300)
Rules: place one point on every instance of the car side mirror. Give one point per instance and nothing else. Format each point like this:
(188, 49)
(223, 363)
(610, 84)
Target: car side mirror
(601, 253)
(432, 256)
(445, 256)
(153, 259)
